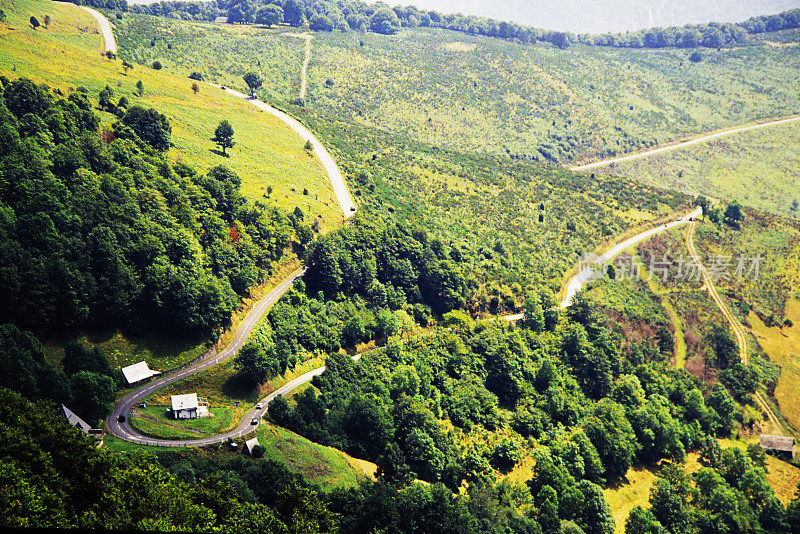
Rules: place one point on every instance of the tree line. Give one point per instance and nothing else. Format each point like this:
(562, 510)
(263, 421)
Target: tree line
(98, 229)
(329, 15)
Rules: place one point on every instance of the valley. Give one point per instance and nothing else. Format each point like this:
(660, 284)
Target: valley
(476, 320)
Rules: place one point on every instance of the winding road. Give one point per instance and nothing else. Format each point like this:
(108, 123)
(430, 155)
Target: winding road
(735, 325)
(124, 429)
(340, 190)
(126, 432)
(105, 27)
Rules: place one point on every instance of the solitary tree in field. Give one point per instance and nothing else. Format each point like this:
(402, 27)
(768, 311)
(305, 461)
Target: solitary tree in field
(34, 22)
(195, 88)
(253, 81)
(46, 21)
(140, 87)
(126, 67)
(223, 136)
(269, 190)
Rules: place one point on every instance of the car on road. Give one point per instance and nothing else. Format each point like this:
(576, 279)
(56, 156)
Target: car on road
(260, 406)
(121, 418)
(254, 421)
(679, 219)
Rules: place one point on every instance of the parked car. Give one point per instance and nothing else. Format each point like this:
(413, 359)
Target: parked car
(121, 418)
(260, 406)
(254, 421)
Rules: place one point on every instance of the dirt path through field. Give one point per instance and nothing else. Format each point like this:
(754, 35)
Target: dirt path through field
(306, 59)
(683, 144)
(735, 325)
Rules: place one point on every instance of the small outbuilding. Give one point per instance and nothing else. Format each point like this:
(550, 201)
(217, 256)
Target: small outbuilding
(251, 444)
(780, 444)
(138, 372)
(73, 419)
(188, 406)
(221, 20)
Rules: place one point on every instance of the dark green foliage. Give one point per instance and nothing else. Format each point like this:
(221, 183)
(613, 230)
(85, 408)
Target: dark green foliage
(223, 136)
(734, 214)
(612, 435)
(196, 76)
(151, 126)
(269, 15)
(108, 234)
(253, 81)
(407, 262)
(724, 346)
(293, 13)
(157, 65)
(695, 57)
(54, 477)
(24, 369)
(729, 494)
(34, 22)
(385, 21)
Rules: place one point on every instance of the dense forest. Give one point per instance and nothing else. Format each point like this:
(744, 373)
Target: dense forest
(462, 401)
(358, 16)
(98, 229)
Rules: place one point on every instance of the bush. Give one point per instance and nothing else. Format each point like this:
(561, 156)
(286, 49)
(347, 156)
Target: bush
(157, 65)
(196, 76)
(696, 57)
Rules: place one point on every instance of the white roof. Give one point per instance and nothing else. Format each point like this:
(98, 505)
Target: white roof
(250, 443)
(184, 402)
(138, 372)
(74, 420)
(780, 443)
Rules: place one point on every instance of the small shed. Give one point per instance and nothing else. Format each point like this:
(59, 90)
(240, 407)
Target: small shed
(74, 420)
(250, 444)
(138, 372)
(777, 443)
(221, 20)
(185, 406)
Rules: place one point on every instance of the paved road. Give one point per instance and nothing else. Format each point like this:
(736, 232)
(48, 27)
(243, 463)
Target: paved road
(684, 144)
(105, 27)
(595, 267)
(125, 431)
(337, 181)
(735, 325)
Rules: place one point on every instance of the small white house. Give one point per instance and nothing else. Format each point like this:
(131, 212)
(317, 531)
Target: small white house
(138, 372)
(188, 406)
(221, 20)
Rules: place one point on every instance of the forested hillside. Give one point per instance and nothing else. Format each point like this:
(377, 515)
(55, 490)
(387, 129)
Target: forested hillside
(98, 229)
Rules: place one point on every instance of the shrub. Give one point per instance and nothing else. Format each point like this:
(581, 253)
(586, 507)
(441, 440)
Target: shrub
(157, 65)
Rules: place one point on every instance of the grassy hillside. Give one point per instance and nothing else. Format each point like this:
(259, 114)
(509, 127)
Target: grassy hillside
(467, 92)
(759, 168)
(68, 54)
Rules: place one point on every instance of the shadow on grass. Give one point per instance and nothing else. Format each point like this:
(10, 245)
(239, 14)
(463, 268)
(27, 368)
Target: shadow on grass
(219, 152)
(618, 482)
(240, 387)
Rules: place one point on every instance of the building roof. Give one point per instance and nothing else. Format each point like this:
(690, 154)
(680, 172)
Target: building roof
(250, 444)
(221, 20)
(184, 402)
(74, 420)
(778, 443)
(138, 372)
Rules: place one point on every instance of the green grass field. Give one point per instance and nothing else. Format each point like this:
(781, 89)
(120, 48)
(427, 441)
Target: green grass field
(326, 466)
(267, 152)
(470, 92)
(154, 421)
(758, 168)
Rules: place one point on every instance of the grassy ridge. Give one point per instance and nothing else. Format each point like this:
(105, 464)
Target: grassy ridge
(470, 92)
(267, 152)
